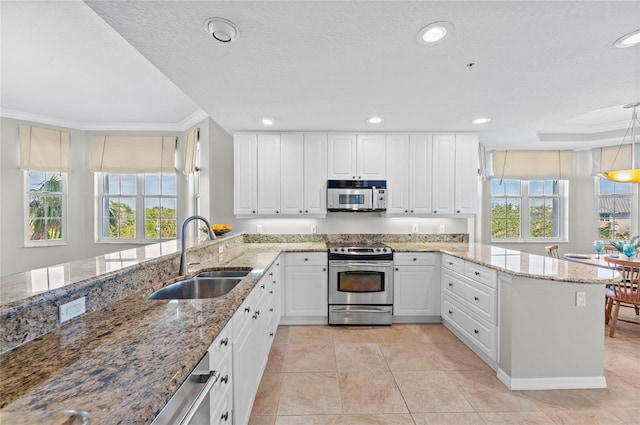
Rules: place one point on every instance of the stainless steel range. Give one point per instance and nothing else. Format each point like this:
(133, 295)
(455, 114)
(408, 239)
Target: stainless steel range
(360, 285)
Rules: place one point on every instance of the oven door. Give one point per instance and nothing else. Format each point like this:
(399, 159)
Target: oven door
(350, 199)
(361, 282)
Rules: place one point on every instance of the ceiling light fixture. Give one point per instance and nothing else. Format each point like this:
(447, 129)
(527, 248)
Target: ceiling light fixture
(435, 32)
(222, 29)
(374, 120)
(632, 175)
(628, 40)
(267, 121)
(481, 120)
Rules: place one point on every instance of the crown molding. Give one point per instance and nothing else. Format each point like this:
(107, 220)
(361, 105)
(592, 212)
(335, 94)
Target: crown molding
(181, 126)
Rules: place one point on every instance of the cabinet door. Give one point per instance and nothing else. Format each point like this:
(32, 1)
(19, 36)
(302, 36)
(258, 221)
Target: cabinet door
(420, 174)
(466, 174)
(315, 174)
(416, 291)
(245, 174)
(268, 174)
(442, 199)
(306, 291)
(342, 157)
(244, 369)
(398, 174)
(291, 174)
(371, 157)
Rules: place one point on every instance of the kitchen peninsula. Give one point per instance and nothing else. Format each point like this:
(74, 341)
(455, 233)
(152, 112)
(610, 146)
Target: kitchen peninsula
(123, 361)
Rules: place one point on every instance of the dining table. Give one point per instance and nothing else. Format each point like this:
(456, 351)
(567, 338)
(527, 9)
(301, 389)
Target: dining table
(595, 259)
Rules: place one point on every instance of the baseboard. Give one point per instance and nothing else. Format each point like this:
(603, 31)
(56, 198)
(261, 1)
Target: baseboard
(304, 320)
(552, 383)
(417, 319)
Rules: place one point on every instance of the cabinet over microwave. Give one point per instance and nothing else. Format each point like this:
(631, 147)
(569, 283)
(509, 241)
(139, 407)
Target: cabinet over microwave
(356, 195)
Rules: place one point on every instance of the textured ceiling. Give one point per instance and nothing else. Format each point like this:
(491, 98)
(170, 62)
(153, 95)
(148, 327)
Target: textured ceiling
(544, 70)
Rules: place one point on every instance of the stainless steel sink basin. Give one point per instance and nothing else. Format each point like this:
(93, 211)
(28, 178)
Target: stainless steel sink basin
(196, 288)
(224, 273)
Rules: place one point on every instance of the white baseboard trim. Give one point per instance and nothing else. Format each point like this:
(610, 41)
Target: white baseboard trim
(552, 383)
(307, 320)
(417, 319)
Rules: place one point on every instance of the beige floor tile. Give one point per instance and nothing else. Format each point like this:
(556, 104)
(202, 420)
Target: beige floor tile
(355, 334)
(370, 392)
(277, 357)
(573, 400)
(618, 394)
(435, 332)
(401, 333)
(359, 357)
(262, 420)
(584, 417)
(310, 358)
(430, 391)
(282, 335)
(409, 356)
(487, 394)
(447, 419)
(404, 419)
(266, 401)
(454, 355)
(628, 416)
(516, 418)
(310, 335)
(310, 394)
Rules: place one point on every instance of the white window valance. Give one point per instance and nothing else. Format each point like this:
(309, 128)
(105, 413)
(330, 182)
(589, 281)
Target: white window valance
(533, 165)
(133, 154)
(190, 152)
(43, 149)
(612, 158)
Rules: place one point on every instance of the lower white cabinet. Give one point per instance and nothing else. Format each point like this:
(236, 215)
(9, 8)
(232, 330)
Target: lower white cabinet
(416, 290)
(470, 304)
(306, 285)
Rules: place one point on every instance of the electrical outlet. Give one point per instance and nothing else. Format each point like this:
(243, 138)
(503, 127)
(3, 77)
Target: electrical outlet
(72, 309)
(414, 228)
(259, 228)
(314, 229)
(581, 299)
(220, 249)
(441, 229)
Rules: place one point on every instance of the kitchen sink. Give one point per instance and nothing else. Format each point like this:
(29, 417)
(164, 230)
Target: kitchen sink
(196, 288)
(224, 273)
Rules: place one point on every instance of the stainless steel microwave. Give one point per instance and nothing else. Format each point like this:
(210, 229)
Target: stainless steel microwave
(356, 195)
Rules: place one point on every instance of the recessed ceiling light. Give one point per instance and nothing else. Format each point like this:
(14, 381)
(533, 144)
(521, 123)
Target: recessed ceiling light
(267, 121)
(374, 120)
(435, 32)
(481, 120)
(221, 29)
(628, 40)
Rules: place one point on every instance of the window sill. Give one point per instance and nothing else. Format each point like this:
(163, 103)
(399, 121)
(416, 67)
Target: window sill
(531, 241)
(45, 244)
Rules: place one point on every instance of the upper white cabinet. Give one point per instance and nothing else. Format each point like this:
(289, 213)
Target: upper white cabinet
(269, 174)
(443, 174)
(245, 174)
(291, 178)
(466, 180)
(315, 174)
(409, 174)
(357, 157)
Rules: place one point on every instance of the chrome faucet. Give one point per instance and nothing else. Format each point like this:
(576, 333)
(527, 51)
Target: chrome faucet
(184, 266)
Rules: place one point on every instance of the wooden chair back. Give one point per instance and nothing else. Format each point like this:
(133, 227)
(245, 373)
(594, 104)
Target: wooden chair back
(626, 289)
(552, 251)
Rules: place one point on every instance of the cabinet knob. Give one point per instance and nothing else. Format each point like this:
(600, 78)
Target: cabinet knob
(225, 416)
(324, 269)
(415, 259)
(411, 211)
(247, 309)
(271, 310)
(451, 263)
(477, 273)
(397, 269)
(300, 211)
(253, 212)
(359, 177)
(353, 177)
(277, 212)
(450, 312)
(476, 299)
(270, 333)
(475, 331)
(262, 286)
(271, 292)
(450, 284)
(435, 212)
(458, 211)
(306, 259)
(405, 211)
(225, 379)
(306, 211)
(224, 341)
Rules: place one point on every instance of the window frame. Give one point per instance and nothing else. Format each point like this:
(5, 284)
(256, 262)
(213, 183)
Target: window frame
(140, 218)
(525, 216)
(28, 242)
(633, 218)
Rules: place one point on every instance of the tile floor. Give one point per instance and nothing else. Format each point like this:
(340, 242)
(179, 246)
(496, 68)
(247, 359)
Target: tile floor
(422, 375)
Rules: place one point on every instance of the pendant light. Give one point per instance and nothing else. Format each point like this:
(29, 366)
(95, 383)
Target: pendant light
(632, 175)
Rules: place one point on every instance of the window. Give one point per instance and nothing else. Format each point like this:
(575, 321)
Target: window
(614, 209)
(137, 207)
(46, 208)
(527, 210)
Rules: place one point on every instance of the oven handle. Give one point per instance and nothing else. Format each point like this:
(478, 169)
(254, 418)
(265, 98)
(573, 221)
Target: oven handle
(363, 264)
(211, 381)
(358, 310)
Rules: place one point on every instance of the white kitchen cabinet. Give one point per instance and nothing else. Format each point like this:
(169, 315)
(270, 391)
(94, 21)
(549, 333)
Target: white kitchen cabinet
(361, 157)
(306, 289)
(245, 174)
(409, 174)
(416, 291)
(269, 174)
(315, 174)
(466, 174)
(291, 178)
(470, 305)
(443, 174)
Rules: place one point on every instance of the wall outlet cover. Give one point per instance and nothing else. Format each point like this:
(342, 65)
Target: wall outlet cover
(220, 249)
(259, 228)
(72, 309)
(414, 228)
(314, 229)
(441, 228)
(581, 299)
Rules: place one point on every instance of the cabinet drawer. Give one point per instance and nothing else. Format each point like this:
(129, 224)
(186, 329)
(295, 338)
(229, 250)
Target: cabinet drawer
(483, 336)
(415, 259)
(221, 345)
(306, 259)
(481, 274)
(479, 298)
(454, 284)
(221, 413)
(453, 263)
(242, 316)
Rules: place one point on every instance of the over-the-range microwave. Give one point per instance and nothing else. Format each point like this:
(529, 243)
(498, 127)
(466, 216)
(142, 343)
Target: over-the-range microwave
(356, 195)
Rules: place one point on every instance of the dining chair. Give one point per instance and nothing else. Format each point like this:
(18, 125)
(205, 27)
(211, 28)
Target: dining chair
(622, 293)
(552, 251)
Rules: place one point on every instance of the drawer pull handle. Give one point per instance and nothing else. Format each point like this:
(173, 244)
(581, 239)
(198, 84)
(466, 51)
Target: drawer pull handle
(271, 274)
(271, 292)
(225, 416)
(247, 309)
(450, 312)
(476, 299)
(270, 333)
(450, 284)
(262, 286)
(475, 331)
(451, 263)
(271, 310)
(225, 379)
(225, 341)
(477, 273)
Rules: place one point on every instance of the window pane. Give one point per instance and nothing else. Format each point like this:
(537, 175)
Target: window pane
(498, 208)
(37, 229)
(53, 206)
(169, 184)
(513, 208)
(535, 188)
(151, 229)
(168, 229)
(152, 184)
(36, 206)
(513, 228)
(536, 209)
(54, 229)
(498, 228)
(36, 180)
(497, 188)
(152, 208)
(111, 184)
(128, 184)
(605, 187)
(512, 187)
(168, 208)
(623, 188)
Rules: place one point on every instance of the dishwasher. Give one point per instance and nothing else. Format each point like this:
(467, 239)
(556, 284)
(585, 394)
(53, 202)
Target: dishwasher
(190, 404)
